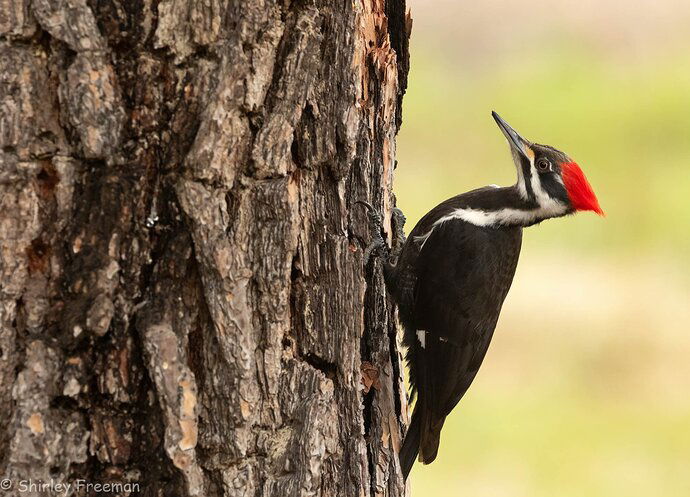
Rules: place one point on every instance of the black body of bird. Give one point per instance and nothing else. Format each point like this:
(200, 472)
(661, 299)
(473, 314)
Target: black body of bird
(454, 272)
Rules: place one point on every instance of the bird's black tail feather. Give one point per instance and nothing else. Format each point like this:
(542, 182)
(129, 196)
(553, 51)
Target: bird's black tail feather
(410, 447)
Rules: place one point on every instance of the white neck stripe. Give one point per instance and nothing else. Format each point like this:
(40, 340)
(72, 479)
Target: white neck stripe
(501, 217)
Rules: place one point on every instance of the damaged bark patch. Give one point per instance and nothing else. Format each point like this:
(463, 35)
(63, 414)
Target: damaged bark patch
(370, 377)
(35, 424)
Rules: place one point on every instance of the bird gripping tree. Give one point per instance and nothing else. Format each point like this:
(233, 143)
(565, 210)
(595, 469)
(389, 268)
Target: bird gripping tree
(450, 277)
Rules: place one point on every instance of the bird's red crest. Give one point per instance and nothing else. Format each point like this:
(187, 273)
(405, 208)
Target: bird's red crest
(581, 195)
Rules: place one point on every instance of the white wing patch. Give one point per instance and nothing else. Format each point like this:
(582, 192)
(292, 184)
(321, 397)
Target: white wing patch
(421, 239)
(421, 336)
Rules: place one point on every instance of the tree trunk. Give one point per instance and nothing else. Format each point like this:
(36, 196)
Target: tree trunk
(185, 308)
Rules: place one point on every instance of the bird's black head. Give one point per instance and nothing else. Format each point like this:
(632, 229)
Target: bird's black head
(548, 178)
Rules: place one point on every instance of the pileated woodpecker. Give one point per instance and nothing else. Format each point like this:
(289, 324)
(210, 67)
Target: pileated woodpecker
(454, 271)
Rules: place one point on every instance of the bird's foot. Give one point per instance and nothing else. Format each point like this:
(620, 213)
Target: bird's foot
(377, 244)
(398, 231)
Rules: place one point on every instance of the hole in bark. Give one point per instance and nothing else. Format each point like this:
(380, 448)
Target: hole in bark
(54, 471)
(64, 402)
(367, 416)
(19, 307)
(47, 178)
(327, 368)
(48, 136)
(296, 270)
(256, 121)
(397, 372)
(38, 254)
(232, 202)
(294, 150)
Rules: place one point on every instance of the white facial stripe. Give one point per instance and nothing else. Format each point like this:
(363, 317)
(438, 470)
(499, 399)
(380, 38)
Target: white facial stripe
(545, 201)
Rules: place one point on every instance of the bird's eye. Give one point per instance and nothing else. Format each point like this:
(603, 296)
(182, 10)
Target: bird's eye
(543, 165)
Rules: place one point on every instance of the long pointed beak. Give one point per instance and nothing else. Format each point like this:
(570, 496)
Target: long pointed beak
(517, 143)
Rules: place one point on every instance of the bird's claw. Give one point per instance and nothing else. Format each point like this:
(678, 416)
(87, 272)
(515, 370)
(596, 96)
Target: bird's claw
(375, 222)
(373, 248)
(398, 227)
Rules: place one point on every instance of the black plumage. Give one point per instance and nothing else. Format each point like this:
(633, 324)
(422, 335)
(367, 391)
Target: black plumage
(454, 272)
(451, 286)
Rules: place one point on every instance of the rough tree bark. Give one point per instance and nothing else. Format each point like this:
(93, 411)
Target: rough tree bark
(184, 303)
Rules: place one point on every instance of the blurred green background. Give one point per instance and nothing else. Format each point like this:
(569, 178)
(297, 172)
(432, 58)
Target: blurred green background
(585, 390)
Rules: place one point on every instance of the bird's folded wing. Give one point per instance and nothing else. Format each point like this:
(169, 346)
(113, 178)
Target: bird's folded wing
(454, 312)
